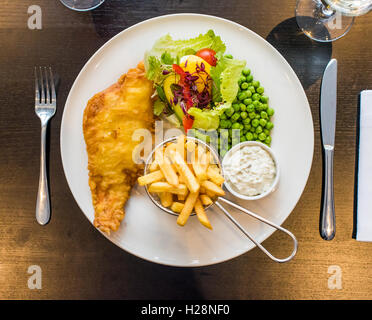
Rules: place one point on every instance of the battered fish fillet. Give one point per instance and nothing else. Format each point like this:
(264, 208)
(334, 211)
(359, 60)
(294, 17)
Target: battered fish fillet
(110, 119)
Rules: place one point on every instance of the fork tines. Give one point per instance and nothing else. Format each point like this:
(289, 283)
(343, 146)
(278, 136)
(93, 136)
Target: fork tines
(45, 92)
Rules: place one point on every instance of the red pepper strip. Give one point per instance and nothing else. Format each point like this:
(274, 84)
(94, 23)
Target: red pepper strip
(187, 122)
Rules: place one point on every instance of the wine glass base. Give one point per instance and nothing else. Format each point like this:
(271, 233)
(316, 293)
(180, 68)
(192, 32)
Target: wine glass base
(321, 23)
(82, 5)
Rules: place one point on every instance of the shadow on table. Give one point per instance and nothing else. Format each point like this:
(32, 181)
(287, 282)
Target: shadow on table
(307, 57)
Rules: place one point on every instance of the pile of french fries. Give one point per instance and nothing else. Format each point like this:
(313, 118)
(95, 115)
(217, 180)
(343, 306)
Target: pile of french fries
(185, 178)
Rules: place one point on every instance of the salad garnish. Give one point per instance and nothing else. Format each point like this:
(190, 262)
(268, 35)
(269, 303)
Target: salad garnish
(201, 87)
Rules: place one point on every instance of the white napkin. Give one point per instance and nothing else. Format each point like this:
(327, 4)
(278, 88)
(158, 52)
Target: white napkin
(363, 194)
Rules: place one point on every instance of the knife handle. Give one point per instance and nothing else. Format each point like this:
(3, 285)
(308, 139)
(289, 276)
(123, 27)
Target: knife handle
(328, 219)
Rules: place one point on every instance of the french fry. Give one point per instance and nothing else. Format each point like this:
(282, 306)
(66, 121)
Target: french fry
(158, 187)
(214, 175)
(190, 146)
(183, 169)
(200, 173)
(200, 212)
(210, 194)
(213, 188)
(201, 149)
(177, 206)
(170, 147)
(181, 197)
(187, 209)
(159, 155)
(150, 178)
(206, 200)
(202, 190)
(180, 145)
(166, 199)
(205, 161)
(168, 171)
(153, 166)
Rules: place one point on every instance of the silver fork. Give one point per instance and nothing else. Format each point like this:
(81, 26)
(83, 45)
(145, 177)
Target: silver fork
(45, 108)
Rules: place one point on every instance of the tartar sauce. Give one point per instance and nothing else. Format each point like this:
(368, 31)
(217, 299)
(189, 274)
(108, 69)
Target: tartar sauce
(250, 170)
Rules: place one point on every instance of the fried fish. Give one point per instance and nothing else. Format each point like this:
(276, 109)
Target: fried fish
(110, 119)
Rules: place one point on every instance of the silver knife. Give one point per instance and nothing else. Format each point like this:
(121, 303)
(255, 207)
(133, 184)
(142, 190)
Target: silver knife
(328, 101)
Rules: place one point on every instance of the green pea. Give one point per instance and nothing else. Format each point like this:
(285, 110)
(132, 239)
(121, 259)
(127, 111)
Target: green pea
(244, 115)
(255, 136)
(256, 84)
(252, 129)
(259, 129)
(268, 140)
(247, 101)
(235, 125)
(236, 107)
(259, 107)
(242, 107)
(263, 122)
(255, 123)
(223, 124)
(247, 120)
(256, 97)
(265, 106)
(248, 93)
(242, 138)
(228, 56)
(247, 126)
(262, 136)
(223, 116)
(264, 115)
(252, 115)
(269, 125)
(244, 85)
(249, 136)
(264, 99)
(241, 80)
(229, 112)
(270, 111)
(250, 108)
(252, 89)
(267, 132)
(242, 96)
(235, 117)
(256, 103)
(249, 78)
(246, 72)
(260, 90)
(258, 116)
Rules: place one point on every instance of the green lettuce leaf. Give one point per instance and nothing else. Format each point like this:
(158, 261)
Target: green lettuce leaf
(225, 76)
(159, 106)
(207, 119)
(167, 51)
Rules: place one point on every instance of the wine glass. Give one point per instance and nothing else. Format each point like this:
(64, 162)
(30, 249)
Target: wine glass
(329, 20)
(82, 5)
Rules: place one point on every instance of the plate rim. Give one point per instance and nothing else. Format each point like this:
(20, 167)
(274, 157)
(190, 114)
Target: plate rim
(267, 44)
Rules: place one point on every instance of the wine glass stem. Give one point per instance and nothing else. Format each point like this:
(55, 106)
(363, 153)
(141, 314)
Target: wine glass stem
(324, 10)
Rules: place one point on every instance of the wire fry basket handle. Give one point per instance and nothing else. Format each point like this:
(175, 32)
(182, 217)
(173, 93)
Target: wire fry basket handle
(239, 226)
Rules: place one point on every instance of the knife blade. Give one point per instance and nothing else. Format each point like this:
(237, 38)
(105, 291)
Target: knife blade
(328, 109)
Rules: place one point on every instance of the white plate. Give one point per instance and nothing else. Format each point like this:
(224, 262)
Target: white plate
(150, 233)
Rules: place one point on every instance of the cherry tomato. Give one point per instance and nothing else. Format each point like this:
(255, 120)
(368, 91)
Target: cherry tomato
(187, 122)
(208, 55)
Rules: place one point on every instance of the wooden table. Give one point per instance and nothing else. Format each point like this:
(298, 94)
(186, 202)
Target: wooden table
(76, 261)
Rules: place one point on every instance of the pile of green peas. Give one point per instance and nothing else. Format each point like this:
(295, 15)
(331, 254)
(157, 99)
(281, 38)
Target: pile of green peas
(250, 112)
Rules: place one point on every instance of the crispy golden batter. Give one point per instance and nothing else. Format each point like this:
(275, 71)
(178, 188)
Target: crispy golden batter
(110, 119)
